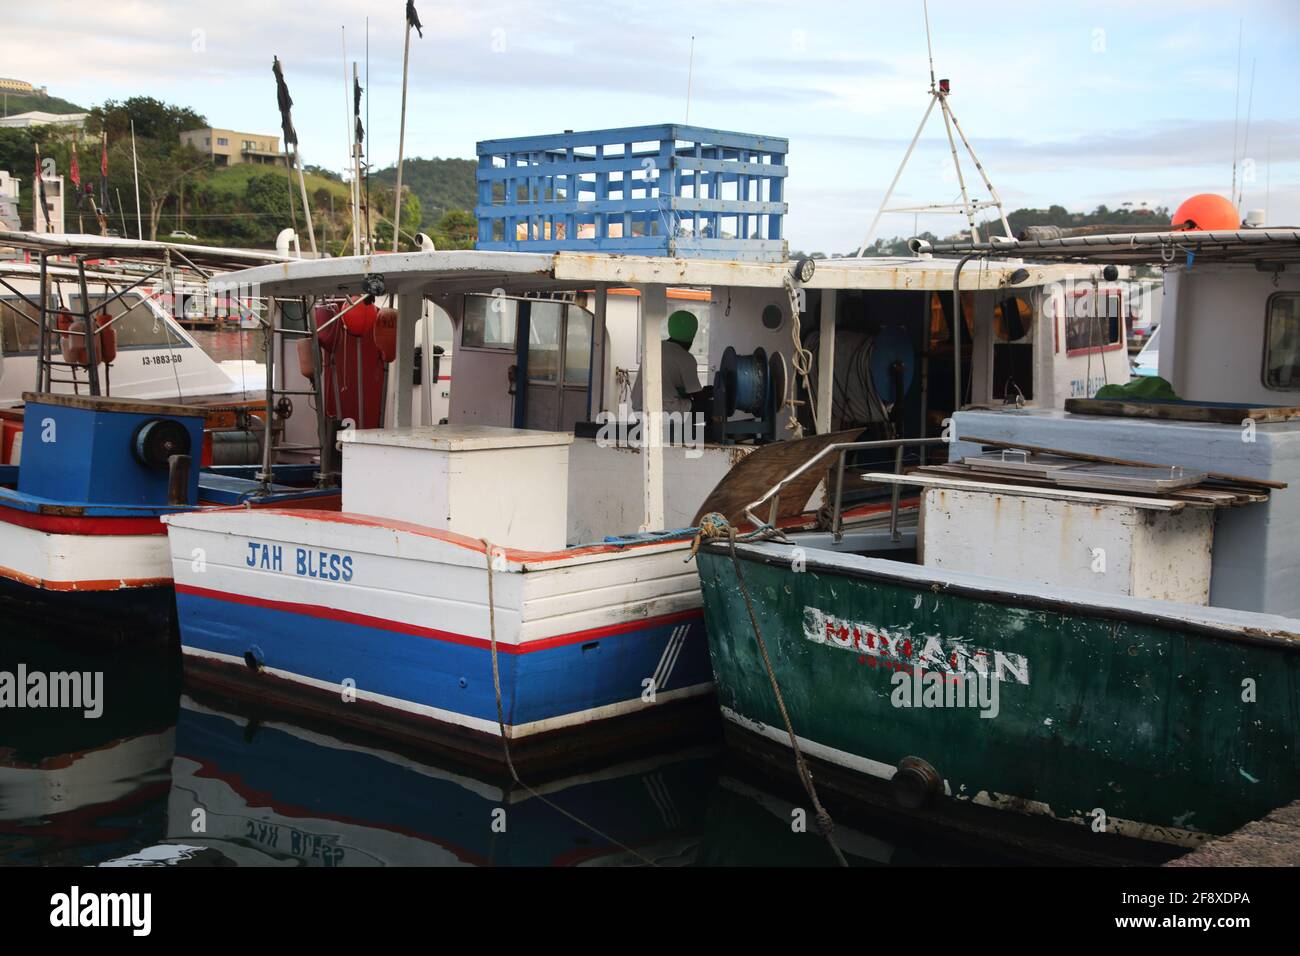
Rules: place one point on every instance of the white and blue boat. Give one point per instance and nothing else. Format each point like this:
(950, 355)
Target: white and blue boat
(522, 571)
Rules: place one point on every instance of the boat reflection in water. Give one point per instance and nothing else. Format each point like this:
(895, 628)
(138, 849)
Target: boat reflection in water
(165, 779)
(273, 793)
(76, 790)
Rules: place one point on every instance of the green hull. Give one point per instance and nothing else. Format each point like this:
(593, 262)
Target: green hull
(1124, 716)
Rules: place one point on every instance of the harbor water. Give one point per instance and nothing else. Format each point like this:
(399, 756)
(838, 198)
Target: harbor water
(145, 771)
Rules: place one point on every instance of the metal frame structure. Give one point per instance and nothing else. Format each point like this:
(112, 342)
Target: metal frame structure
(669, 190)
(939, 92)
(841, 451)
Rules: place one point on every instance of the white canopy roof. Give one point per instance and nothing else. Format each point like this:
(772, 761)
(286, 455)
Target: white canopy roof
(442, 273)
(110, 247)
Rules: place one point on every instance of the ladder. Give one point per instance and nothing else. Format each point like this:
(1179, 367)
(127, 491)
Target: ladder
(286, 323)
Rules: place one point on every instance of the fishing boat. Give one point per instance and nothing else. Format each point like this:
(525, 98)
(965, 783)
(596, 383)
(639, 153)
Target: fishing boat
(114, 416)
(1090, 636)
(518, 576)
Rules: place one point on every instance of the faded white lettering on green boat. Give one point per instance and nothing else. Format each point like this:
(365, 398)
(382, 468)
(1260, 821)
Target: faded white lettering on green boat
(896, 650)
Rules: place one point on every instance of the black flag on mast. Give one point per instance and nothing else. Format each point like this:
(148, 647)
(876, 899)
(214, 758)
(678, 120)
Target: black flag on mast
(39, 198)
(356, 109)
(286, 105)
(413, 18)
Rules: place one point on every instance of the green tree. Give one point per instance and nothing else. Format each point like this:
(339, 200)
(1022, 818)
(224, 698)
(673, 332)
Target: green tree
(163, 167)
(153, 119)
(457, 229)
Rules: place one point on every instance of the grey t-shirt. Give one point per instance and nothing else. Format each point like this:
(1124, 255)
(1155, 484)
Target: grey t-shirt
(680, 377)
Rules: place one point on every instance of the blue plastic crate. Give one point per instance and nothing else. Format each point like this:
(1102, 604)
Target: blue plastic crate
(667, 190)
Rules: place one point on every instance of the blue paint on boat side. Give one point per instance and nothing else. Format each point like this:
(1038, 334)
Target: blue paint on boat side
(537, 685)
(85, 454)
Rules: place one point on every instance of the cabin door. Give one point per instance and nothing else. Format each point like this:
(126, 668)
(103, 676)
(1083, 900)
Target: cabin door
(558, 366)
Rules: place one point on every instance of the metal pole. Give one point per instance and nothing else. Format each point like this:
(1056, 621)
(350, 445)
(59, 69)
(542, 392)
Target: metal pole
(401, 143)
(988, 183)
(43, 365)
(837, 514)
(956, 331)
(306, 206)
(92, 356)
(428, 380)
(135, 164)
(893, 501)
(347, 115)
(871, 233)
(267, 434)
(956, 165)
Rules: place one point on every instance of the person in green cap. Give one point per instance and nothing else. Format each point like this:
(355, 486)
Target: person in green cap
(681, 381)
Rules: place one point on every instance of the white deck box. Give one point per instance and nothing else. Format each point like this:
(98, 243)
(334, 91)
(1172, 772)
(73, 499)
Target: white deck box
(1119, 546)
(507, 485)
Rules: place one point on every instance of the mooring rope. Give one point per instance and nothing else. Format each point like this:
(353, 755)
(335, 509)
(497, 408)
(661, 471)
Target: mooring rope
(501, 721)
(824, 821)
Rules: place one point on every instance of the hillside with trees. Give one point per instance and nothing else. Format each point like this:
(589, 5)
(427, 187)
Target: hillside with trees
(1102, 216)
(441, 184)
(11, 104)
(241, 205)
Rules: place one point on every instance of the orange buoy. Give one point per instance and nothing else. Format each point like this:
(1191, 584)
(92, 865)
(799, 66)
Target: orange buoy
(106, 343)
(72, 343)
(1206, 211)
(385, 334)
(360, 319)
(305, 364)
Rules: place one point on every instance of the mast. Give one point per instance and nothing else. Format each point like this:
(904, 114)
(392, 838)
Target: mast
(412, 20)
(939, 92)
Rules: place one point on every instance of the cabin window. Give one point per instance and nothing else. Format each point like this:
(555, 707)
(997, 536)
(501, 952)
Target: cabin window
(137, 326)
(490, 323)
(1282, 342)
(544, 327)
(1092, 321)
(577, 348)
(1013, 320)
(20, 329)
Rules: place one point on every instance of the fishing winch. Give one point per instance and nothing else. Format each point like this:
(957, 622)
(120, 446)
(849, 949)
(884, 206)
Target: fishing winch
(752, 385)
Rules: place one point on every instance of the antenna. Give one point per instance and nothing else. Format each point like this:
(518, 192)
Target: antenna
(347, 116)
(929, 46)
(690, 75)
(1236, 111)
(1245, 138)
(939, 91)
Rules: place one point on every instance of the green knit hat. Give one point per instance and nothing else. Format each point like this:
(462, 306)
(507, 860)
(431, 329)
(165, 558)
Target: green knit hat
(682, 326)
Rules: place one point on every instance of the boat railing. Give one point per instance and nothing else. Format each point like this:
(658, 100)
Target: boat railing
(841, 450)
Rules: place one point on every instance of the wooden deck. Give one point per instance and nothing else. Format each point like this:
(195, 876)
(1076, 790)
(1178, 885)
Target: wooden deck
(1273, 840)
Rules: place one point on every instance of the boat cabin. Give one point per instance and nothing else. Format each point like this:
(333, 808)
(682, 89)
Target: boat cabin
(1230, 349)
(547, 342)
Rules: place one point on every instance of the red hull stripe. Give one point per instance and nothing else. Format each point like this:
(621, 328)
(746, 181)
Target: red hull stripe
(398, 627)
(108, 584)
(79, 524)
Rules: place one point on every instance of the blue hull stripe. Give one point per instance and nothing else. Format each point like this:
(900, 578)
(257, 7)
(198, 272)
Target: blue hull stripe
(540, 685)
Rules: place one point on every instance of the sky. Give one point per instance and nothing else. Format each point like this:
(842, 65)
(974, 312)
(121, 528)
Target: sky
(1065, 102)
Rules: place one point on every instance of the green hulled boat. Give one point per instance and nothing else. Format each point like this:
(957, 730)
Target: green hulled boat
(1121, 715)
(1087, 636)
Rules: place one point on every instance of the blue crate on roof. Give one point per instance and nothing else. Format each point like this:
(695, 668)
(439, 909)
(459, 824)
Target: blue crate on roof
(667, 190)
